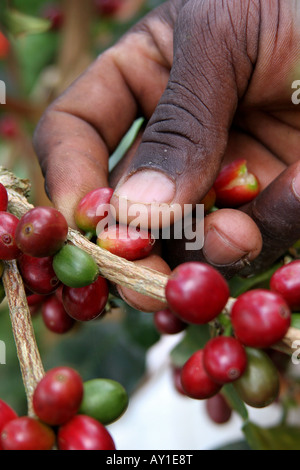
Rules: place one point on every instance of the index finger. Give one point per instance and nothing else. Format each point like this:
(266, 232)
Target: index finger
(79, 131)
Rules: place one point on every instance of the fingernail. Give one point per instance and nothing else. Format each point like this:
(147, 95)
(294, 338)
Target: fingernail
(147, 187)
(296, 186)
(219, 250)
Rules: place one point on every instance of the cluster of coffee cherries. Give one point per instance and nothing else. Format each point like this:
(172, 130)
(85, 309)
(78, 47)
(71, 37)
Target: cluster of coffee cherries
(239, 353)
(61, 280)
(69, 414)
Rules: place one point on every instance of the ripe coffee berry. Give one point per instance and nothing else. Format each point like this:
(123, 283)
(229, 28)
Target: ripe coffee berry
(84, 433)
(235, 186)
(224, 359)
(93, 208)
(27, 433)
(41, 232)
(38, 274)
(167, 323)
(55, 316)
(6, 414)
(260, 318)
(218, 409)
(55, 15)
(3, 198)
(286, 282)
(35, 302)
(58, 396)
(4, 46)
(8, 247)
(86, 303)
(107, 7)
(196, 292)
(176, 378)
(126, 242)
(9, 127)
(195, 381)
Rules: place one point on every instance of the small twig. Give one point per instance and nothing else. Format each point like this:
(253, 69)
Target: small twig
(118, 270)
(29, 358)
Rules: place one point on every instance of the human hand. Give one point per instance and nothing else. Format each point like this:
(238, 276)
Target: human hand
(213, 79)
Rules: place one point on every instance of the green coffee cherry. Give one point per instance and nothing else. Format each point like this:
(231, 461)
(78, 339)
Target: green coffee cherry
(104, 400)
(74, 267)
(259, 385)
(1, 268)
(2, 292)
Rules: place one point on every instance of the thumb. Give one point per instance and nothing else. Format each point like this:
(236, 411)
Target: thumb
(185, 139)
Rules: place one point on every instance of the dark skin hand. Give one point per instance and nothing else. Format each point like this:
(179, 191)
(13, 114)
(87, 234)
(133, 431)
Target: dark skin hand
(213, 79)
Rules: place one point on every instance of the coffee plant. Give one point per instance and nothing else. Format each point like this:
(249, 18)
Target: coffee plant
(235, 337)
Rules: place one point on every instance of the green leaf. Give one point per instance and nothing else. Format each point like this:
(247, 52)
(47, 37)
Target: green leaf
(125, 143)
(295, 323)
(235, 401)
(34, 53)
(2, 292)
(194, 339)
(239, 285)
(18, 23)
(238, 445)
(276, 438)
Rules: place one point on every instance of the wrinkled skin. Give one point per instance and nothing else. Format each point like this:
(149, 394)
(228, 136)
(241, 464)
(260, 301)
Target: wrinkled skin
(213, 78)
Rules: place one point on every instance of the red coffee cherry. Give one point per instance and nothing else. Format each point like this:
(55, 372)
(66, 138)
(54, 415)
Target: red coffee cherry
(235, 186)
(4, 46)
(6, 414)
(218, 409)
(167, 323)
(55, 317)
(126, 242)
(58, 396)
(27, 433)
(196, 292)
(35, 302)
(107, 7)
(224, 359)
(84, 433)
(260, 318)
(38, 274)
(176, 377)
(9, 127)
(3, 198)
(41, 232)
(195, 381)
(92, 209)
(86, 303)
(8, 247)
(286, 282)
(54, 14)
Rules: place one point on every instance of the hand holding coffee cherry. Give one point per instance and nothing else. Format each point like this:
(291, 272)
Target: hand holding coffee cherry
(189, 137)
(196, 294)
